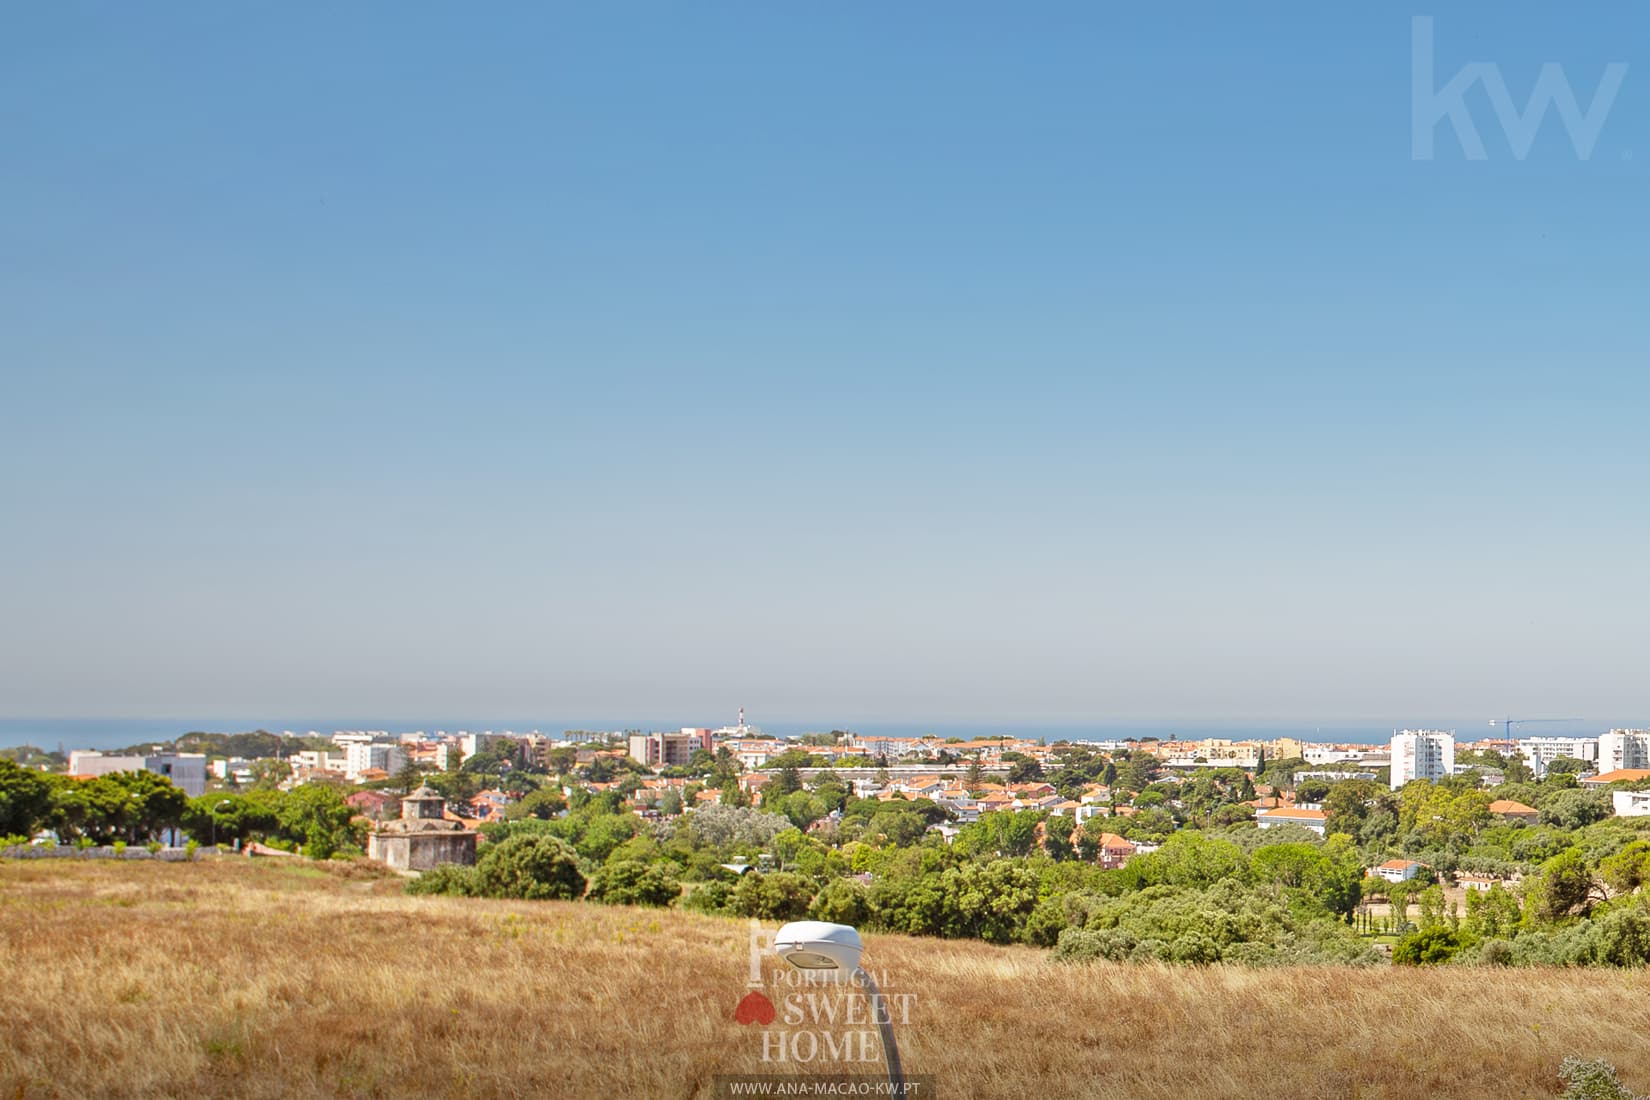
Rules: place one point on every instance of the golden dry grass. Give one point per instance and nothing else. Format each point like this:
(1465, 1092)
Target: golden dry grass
(238, 979)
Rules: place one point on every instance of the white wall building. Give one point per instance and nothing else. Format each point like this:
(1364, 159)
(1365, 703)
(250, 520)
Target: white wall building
(1538, 752)
(1421, 754)
(358, 758)
(1630, 803)
(186, 770)
(1397, 870)
(471, 743)
(1623, 749)
(1329, 754)
(319, 760)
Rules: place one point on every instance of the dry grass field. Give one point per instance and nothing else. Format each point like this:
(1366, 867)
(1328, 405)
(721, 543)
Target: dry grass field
(264, 980)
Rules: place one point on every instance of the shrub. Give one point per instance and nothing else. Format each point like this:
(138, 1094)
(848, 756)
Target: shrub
(1590, 1079)
(1082, 945)
(1195, 949)
(1046, 922)
(451, 879)
(534, 868)
(1429, 946)
(842, 901)
(1624, 936)
(632, 882)
(777, 896)
(710, 897)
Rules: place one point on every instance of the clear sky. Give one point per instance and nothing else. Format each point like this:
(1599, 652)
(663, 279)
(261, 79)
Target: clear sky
(928, 360)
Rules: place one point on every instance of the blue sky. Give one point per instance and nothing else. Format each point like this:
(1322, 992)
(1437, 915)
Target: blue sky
(956, 361)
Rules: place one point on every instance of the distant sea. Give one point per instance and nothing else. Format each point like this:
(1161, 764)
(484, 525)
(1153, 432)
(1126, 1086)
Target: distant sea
(114, 733)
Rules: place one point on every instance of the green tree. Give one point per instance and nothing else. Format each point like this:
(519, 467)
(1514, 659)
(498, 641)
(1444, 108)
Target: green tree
(786, 780)
(316, 817)
(989, 901)
(842, 901)
(1573, 809)
(1492, 914)
(1563, 887)
(1057, 837)
(545, 804)
(1192, 859)
(408, 778)
(634, 882)
(1429, 946)
(779, 895)
(25, 800)
(1628, 869)
(532, 867)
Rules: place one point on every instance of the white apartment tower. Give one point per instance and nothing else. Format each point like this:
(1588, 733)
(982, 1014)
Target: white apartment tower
(1538, 752)
(1421, 754)
(1623, 749)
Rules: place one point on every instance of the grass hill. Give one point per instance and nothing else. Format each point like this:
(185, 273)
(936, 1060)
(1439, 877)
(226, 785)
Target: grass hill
(269, 979)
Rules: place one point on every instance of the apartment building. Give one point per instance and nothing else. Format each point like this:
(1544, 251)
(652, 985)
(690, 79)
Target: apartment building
(1623, 749)
(389, 758)
(186, 770)
(1538, 752)
(668, 749)
(1421, 754)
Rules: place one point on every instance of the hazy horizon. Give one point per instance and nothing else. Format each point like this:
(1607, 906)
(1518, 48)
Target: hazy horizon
(105, 733)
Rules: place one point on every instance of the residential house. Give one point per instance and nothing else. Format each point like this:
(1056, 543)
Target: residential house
(1316, 820)
(1476, 882)
(1508, 810)
(1114, 851)
(1620, 775)
(1397, 870)
(377, 805)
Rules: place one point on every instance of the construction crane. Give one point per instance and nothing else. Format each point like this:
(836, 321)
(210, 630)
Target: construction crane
(1508, 723)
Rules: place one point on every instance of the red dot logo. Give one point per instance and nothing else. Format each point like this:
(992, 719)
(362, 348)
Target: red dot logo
(754, 1009)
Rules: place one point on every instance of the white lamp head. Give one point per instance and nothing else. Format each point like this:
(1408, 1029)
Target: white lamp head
(819, 947)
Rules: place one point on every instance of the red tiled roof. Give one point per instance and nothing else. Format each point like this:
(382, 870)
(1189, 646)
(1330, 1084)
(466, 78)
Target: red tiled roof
(1298, 814)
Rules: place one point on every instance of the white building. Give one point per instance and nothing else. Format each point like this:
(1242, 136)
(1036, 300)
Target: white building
(1397, 870)
(186, 770)
(1316, 820)
(1630, 803)
(1538, 752)
(1330, 754)
(320, 760)
(1421, 754)
(669, 749)
(386, 757)
(1623, 749)
(471, 743)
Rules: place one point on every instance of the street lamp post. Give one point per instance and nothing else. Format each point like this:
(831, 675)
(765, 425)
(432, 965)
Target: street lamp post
(833, 950)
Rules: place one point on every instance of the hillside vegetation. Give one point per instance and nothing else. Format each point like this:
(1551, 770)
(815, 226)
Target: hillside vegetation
(251, 979)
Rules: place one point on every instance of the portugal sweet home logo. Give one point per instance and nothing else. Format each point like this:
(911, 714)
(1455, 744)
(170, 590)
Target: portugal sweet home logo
(816, 1019)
